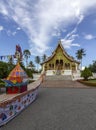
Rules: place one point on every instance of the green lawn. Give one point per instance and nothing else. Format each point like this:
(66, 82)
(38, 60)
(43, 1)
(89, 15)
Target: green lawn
(90, 82)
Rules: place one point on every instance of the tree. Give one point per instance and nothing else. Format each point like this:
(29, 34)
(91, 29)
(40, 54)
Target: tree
(79, 54)
(22, 65)
(10, 60)
(86, 73)
(92, 67)
(37, 60)
(5, 69)
(31, 65)
(29, 73)
(26, 54)
(44, 57)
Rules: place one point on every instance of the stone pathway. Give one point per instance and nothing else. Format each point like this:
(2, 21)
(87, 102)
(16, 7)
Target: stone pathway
(63, 84)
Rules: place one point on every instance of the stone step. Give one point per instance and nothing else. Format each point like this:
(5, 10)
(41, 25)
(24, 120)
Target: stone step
(59, 77)
(62, 84)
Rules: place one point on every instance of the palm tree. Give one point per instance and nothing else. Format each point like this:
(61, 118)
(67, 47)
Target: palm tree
(10, 60)
(26, 54)
(44, 57)
(37, 60)
(31, 64)
(79, 54)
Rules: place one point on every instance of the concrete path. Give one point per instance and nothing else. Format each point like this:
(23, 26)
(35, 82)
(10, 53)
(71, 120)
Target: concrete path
(58, 109)
(63, 83)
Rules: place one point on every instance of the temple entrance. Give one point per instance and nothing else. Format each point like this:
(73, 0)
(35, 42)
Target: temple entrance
(59, 66)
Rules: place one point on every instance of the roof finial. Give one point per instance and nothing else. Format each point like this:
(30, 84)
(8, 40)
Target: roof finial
(59, 42)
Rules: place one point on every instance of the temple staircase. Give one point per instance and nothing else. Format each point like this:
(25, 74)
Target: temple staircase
(61, 81)
(58, 77)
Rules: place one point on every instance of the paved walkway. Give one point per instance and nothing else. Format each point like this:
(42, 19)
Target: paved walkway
(63, 83)
(58, 109)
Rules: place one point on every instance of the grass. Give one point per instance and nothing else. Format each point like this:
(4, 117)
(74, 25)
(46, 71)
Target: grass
(90, 82)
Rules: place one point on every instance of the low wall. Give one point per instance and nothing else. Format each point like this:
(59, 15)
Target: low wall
(67, 72)
(11, 107)
(50, 72)
(36, 76)
(63, 72)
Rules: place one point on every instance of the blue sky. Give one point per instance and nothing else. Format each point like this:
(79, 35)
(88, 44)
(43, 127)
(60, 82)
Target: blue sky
(37, 25)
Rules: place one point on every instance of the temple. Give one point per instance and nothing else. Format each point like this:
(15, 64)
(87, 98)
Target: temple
(60, 63)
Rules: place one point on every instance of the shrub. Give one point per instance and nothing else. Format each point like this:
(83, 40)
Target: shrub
(86, 73)
(29, 73)
(2, 84)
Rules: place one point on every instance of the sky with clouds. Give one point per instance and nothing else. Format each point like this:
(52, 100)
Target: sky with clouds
(37, 25)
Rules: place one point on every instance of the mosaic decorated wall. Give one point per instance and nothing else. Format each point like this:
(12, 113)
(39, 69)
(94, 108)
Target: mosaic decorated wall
(16, 105)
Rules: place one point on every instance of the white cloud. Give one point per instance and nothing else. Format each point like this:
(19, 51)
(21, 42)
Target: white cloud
(56, 33)
(3, 9)
(67, 43)
(18, 28)
(14, 33)
(1, 28)
(89, 37)
(11, 33)
(8, 32)
(39, 18)
(68, 40)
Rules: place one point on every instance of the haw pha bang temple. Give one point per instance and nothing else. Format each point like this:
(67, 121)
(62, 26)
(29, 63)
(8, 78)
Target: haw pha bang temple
(60, 63)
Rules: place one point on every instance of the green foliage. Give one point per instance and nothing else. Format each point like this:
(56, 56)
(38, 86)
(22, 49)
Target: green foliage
(2, 84)
(10, 60)
(5, 69)
(29, 73)
(92, 67)
(37, 60)
(10, 67)
(86, 73)
(44, 57)
(26, 54)
(31, 81)
(88, 83)
(79, 54)
(31, 64)
(22, 65)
